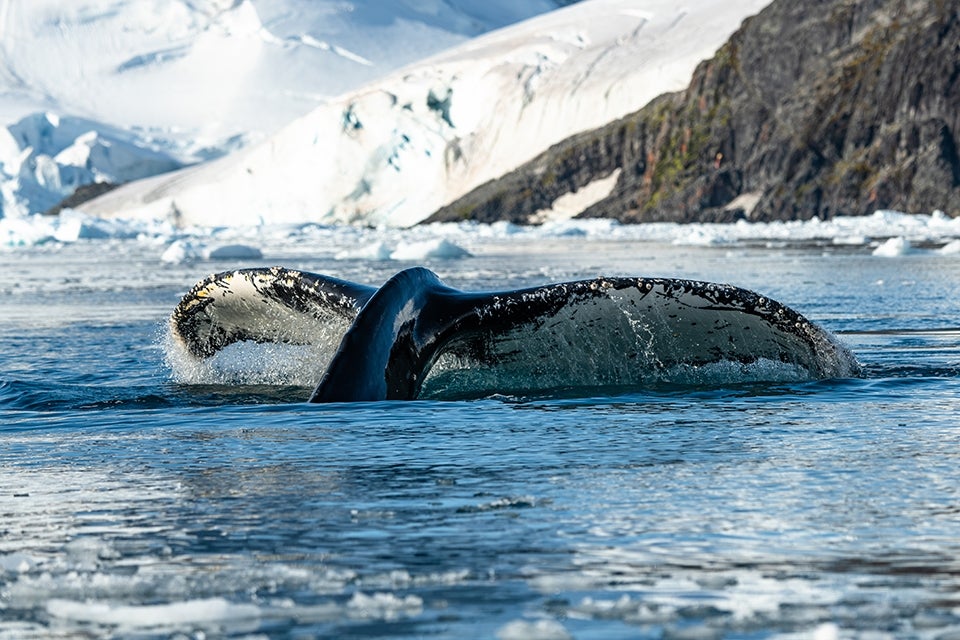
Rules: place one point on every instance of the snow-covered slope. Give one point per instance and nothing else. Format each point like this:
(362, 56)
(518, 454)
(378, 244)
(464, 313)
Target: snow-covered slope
(215, 68)
(167, 82)
(394, 151)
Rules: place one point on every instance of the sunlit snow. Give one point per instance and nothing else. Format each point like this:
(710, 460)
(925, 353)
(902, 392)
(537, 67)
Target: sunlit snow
(211, 68)
(116, 90)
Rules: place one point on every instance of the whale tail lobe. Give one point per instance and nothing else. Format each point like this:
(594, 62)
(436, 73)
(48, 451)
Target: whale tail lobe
(416, 337)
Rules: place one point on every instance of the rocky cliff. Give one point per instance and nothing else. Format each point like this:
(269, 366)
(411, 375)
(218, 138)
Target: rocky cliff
(820, 108)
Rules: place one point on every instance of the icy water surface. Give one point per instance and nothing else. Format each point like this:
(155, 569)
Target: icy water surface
(134, 507)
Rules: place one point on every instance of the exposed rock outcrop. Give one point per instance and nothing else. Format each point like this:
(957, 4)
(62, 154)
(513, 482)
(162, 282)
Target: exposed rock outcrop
(83, 193)
(821, 108)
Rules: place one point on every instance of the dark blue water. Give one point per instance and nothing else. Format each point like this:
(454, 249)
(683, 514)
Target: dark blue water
(131, 506)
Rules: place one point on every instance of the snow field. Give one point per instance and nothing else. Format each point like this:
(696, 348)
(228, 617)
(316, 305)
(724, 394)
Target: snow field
(117, 90)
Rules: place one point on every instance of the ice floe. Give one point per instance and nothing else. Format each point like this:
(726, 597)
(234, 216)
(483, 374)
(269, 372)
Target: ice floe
(189, 250)
(439, 248)
(151, 616)
(885, 233)
(533, 630)
(894, 247)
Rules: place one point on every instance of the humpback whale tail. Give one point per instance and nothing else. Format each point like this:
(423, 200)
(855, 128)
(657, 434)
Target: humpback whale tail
(416, 337)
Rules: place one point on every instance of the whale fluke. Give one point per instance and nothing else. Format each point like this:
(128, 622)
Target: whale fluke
(264, 305)
(416, 337)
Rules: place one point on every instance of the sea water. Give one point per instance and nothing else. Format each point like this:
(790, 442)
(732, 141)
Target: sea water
(135, 506)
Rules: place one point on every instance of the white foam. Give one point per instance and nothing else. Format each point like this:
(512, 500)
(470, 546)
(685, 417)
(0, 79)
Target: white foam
(250, 363)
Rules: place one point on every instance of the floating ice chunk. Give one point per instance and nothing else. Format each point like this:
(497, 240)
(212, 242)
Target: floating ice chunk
(185, 250)
(150, 616)
(87, 553)
(405, 250)
(379, 250)
(68, 231)
(700, 237)
(233, 252)
(562, 229)
(504, 228)
(621, 608)
(181, 251)
(538, 630)
(27, 231)
(383, 606)
(951, 248)
(852, 240)
(350, 242)
(894, 247)
(826, 631)
(16, 563)
(887, 215)
(429, 249)
(597, 227)
(73, 226)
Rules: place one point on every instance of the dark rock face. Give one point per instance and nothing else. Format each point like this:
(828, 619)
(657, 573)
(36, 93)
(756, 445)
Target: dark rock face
(819, 108)
(82, 194)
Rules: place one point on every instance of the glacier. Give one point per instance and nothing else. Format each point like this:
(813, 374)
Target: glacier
(44, 158)
(97, 91)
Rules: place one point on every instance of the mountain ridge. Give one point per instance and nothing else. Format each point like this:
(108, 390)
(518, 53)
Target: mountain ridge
(820, 109)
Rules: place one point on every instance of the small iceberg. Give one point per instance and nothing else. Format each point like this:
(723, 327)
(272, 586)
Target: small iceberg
(183, 250)
(950, 249)
(429, 249)
(377, 251)
(234, 252)
(894, 247)
(436, 249)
